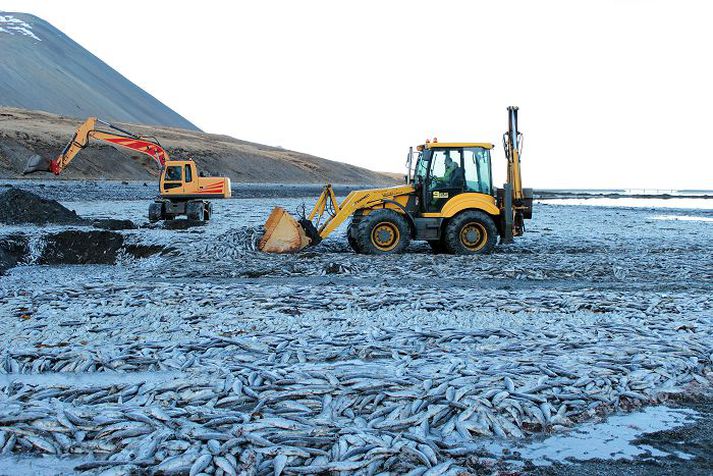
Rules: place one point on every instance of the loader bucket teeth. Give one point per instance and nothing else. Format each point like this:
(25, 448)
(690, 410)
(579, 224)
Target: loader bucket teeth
(283, 234)
(36, 164)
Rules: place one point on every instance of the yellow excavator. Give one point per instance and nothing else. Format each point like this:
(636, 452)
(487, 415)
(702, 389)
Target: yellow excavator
(182, 189)
(448, 200)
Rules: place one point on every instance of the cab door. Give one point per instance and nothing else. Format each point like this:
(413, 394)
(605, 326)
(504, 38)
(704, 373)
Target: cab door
(172, 180)
(445, 178)
(190, 179)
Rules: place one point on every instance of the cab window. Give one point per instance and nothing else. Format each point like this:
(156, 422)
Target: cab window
(446, 171)
(189, 174)
(173, 173)
(476, 161)
(421, 168)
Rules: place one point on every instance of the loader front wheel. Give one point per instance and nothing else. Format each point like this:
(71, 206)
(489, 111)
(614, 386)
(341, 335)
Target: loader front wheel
(381, 232)
(471, 232)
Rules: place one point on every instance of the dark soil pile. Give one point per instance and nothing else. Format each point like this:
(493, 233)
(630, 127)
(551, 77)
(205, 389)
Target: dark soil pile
(114, 224)
(12, 250)
(92, 247)
(20, 206)
(74, 247)
(81, 247)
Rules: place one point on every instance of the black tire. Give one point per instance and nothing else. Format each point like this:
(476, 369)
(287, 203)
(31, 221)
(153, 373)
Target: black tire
(471, 232)
(311, 231)
(382, 232)
(207, 211)
(155, 211)
(351, 238)
(437, 246)
(195, 211)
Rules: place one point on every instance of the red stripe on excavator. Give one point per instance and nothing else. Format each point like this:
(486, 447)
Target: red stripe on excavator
(139, 145)
(135, 144)
(125, 142)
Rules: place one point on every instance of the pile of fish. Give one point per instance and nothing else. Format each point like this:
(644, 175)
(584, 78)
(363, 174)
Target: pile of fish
(233, 244)
(220, 360)
(337, 395)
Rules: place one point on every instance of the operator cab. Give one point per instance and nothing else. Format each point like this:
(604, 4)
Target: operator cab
(444, 170)
(176, 175)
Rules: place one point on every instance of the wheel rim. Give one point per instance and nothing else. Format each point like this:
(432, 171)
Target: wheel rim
(473, 236)
(385, 236)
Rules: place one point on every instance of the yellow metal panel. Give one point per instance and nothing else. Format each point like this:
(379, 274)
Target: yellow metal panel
(466, 201)
(433, 145)
(199, 186)
(357, 200)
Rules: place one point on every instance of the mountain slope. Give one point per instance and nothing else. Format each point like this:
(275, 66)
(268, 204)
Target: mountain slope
(23, 133)
(43, 69)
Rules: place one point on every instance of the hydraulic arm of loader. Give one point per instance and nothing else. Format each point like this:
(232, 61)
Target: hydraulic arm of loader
(81, 138)
(512, 142)
(516, 202)
(284, 234)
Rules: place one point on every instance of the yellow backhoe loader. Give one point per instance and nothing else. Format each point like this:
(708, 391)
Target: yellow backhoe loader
(448, 200)
(182, 190)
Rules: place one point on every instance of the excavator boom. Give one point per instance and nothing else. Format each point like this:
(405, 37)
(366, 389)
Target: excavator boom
(80, 140)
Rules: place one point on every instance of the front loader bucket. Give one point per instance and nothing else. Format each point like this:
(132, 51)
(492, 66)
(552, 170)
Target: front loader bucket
(36, 164)
(283, 234)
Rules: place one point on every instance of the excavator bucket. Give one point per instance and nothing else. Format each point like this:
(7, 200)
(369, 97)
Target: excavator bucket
(36, 164)
(283, 234)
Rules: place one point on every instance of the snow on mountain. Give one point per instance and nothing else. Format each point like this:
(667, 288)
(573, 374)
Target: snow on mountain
(43, 69)
(10, 24)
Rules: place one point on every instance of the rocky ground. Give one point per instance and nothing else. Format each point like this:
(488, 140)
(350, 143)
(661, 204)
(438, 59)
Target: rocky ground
(209, 357)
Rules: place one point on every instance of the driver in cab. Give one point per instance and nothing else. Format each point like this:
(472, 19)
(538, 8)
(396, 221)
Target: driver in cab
(450, 173)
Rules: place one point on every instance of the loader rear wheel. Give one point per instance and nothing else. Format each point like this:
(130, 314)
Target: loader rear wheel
(382, 231)
(471, 232)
